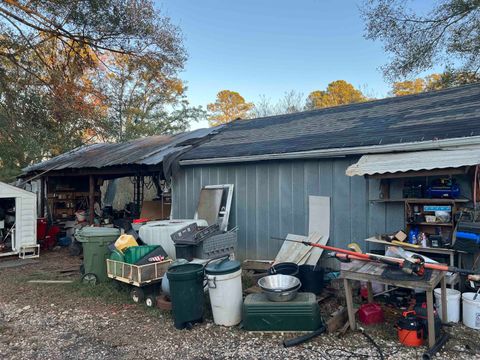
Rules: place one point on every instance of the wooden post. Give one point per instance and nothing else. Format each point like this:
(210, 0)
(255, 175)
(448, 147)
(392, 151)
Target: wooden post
(42, 196)
(443, 284)
(430, 318)
(349, 299)
(91, 198)
(370, 292)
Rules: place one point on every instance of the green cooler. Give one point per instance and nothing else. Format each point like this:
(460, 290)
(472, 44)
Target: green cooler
(299, 314)
(95, 241)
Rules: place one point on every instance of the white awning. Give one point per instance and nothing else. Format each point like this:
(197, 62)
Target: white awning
(415, 161)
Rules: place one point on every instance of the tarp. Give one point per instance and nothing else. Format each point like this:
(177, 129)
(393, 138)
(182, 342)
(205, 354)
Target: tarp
(416, 161)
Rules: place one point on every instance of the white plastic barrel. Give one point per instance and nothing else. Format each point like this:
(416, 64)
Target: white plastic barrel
(453, 304)
(225, 290)
(471, 310)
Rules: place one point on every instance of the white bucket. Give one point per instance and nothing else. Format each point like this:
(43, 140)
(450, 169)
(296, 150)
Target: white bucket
(226, 297)
(453, 304)
(471, 310)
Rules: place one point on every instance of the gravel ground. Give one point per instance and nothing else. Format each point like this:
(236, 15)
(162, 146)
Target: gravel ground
(70, 321)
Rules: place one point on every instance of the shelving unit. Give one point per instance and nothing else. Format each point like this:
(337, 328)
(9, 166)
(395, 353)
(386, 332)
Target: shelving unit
(422, 208)
(64, 203)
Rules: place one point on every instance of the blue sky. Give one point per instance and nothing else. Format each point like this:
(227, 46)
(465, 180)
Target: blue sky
(267, 47)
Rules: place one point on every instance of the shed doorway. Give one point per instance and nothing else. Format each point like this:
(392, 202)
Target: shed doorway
(8, 217)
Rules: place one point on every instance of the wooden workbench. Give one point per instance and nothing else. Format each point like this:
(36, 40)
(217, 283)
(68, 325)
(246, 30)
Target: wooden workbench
(372, 272)
(454, 279)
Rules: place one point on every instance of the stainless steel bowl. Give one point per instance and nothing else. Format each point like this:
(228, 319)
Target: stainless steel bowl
(280, 287)
(279, 282)
(285, 295)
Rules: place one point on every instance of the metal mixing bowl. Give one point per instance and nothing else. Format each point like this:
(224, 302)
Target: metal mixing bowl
(280, 287)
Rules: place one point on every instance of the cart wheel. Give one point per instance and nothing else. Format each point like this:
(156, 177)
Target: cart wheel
(188, 326)
(137, 295)
(90, 279)
(150, 301)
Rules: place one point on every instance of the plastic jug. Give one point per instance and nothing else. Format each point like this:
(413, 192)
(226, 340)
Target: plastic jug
(125, 241)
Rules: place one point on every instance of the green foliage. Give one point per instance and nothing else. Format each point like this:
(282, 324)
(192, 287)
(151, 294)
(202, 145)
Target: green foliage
(338, 92)
(448, 34)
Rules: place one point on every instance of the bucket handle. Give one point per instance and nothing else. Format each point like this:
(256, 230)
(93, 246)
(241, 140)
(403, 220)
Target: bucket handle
(205, 279)
(214, 280)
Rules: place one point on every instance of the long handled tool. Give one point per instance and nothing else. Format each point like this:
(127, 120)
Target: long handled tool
(413, 265)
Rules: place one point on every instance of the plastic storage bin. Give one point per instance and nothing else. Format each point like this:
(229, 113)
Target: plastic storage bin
(95, 242)
(217, 245)
(135, 253)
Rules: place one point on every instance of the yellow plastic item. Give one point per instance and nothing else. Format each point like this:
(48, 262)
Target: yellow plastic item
(354, 247)
(125, 241)
(401, 243)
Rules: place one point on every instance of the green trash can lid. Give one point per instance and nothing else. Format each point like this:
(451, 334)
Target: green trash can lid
(223, 267)
(88, 232)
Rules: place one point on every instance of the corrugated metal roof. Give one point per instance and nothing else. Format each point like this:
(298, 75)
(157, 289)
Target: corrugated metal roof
(145, 151)
(437, 115)
(415, 161)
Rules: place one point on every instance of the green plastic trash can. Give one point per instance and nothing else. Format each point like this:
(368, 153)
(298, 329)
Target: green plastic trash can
(186, 292)
(95, 251)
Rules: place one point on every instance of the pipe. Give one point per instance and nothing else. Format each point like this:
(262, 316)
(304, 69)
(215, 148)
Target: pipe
(430, 353)
(301, 339)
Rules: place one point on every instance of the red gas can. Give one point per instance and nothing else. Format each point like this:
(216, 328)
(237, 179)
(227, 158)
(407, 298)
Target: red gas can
(41, 228)
(370, 314)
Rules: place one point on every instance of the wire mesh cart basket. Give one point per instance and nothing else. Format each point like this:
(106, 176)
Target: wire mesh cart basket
(143, 281)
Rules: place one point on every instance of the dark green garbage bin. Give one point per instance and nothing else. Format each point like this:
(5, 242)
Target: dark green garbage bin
(186, 292)
(95, 251)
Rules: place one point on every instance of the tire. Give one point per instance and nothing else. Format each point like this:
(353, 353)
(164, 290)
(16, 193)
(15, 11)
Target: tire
(150, 301)
(137, 294)
(90, 279)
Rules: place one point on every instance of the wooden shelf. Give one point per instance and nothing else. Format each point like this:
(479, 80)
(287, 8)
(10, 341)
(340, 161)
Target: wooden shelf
(431, 224)
(421, 201)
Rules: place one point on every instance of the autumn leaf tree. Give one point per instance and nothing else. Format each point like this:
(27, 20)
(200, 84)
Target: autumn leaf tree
(142, 99)
(228, 106)
(447, 34)
(338, 92)
(52, 52)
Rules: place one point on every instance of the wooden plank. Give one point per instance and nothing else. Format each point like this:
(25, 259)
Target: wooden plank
(431, 320)
(444, 300)
(50, 281)
(370, 292)
(258, 265)
(337, 320)
(349, 299)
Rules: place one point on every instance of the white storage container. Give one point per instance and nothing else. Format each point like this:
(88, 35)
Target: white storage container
(453, 304)
(158, 233)
(225, 290)
(471, 310)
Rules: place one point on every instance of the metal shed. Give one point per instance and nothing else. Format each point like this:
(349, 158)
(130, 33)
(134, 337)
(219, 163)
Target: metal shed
(276, 162)
(24, 229)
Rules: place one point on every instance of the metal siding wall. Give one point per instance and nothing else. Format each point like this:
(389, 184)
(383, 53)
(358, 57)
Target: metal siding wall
(271, 199)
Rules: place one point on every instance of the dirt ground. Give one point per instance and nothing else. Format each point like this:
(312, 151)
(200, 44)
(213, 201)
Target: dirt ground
(73, 321)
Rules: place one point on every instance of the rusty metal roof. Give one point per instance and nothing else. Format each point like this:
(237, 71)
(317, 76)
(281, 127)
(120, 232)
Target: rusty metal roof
(145, 151)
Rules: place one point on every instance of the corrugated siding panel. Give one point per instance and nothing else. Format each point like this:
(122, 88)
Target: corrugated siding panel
(271, 199)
